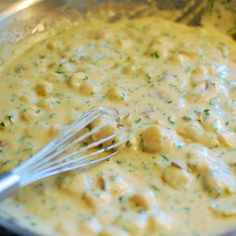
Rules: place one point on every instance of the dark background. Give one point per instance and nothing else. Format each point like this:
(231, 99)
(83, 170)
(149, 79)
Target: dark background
(3, 232)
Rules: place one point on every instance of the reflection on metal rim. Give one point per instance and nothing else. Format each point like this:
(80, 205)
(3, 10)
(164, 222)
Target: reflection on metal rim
(17, 7)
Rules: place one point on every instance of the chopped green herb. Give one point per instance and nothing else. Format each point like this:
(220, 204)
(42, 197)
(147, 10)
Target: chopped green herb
(59, 71)
(52, 115)
(149, 77)
(120, 198)
(170, 101)
(59, 181)
(85, 78)
(138, 120)
(19, 69)
(141, 142)
(165, 158)
(4, 163)
(128, 144)
(53, 208)
(119, 162)
(227, 123)
(155, 187)
(155, 54)
(171, 121)
(10, 118)
(186, 118)
(2, 124)
(207, 112)
(39, 185)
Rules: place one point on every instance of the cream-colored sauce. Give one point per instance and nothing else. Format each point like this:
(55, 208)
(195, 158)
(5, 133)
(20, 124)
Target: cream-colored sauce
(176, 176)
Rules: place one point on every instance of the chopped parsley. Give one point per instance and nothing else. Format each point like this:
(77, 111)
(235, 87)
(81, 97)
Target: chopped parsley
(186, 118)
(59, 71)
(85, 78)
(19, 69)
(128, 144)
(137, 120)
(10, 118)
(155, 54)
(2, 124)
(3, 163)
(207, 112)
(121, 198)
(39, 185)
(119, 162)
(165, 158)
(171, 121)
(154, 187)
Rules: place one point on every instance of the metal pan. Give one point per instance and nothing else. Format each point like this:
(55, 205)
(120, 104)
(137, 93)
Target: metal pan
(22, 19)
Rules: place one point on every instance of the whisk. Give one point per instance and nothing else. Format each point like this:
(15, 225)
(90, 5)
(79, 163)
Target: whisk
(54, 158)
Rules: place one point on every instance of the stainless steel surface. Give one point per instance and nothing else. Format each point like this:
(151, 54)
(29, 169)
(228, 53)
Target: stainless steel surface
(9, 182)
(25, 18)
(15, 7)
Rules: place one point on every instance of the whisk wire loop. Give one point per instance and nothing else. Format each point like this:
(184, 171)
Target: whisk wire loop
(54, 157)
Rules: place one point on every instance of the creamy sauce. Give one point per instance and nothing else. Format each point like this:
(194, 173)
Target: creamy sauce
(176, 175)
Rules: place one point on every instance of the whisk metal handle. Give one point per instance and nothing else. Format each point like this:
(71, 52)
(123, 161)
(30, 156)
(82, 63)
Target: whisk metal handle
(8, 183)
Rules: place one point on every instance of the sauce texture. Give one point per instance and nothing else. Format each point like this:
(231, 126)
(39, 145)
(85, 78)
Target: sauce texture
(176, 175)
